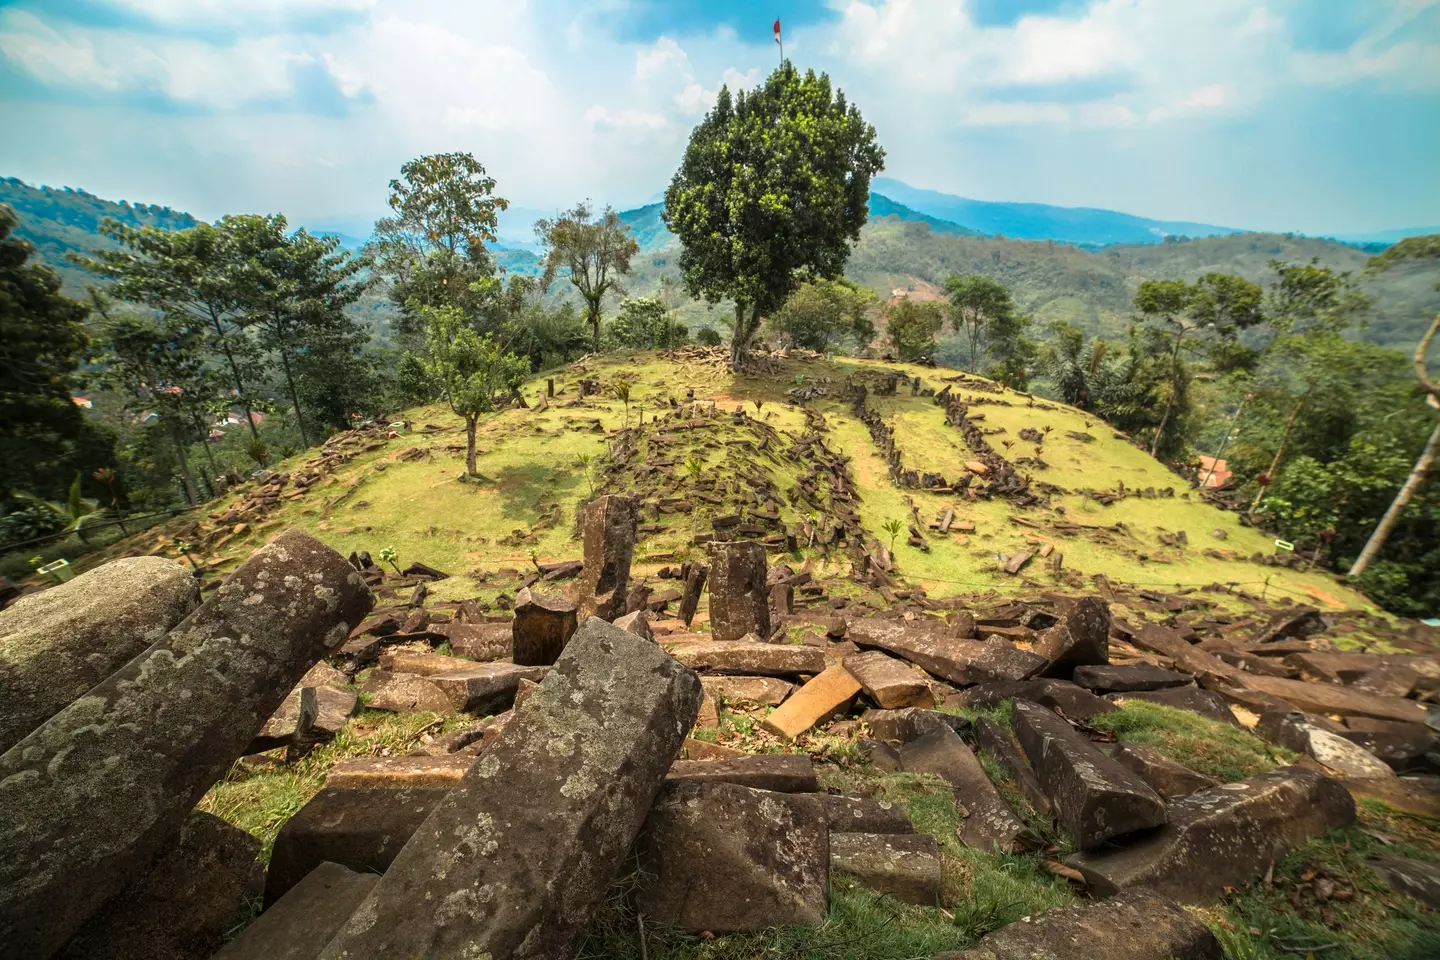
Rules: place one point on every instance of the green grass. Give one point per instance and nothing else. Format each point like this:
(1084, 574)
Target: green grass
(1206, 746)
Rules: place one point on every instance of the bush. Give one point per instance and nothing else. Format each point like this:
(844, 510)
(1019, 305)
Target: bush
(707, 337)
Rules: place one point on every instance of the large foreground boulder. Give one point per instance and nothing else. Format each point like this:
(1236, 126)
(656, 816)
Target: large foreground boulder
(57, 644)
(1222, 837)
(1133, 926)
(514, 860)
(723, 858)
(95, 793)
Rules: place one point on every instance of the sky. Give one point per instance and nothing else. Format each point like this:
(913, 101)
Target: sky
(1318, 116)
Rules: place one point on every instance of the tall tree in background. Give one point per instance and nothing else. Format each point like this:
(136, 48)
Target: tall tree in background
(596, 252)
(823, 313)
(42, 343)
(911, 327)
(978, 305)
(469, 370)
(775, 183)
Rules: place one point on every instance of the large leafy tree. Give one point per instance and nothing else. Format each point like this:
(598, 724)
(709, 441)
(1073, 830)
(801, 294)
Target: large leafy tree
(645, 323)
(980, 308)
(42, 343)
(469, 370)
(822, 313)
(594, 251)
(773, 187)
(911, 326)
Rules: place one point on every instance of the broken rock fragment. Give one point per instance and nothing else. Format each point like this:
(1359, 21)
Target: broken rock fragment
(608, 534)
(905, 866)
(303, 921)
(543, 625)
(1080, 639)
(960, 661)
(890, 683)
(746, 657)
(1123, 678)
(845, 814)
(991, 823)
(1165, 776)
(827, 694)
(780, 772)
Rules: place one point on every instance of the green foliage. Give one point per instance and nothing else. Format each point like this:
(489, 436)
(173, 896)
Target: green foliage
(29, 521)
(1206, 746)
(446, 200)
(643, 323)
(595, 251)
(910, 326)
(822, 314)
(774, 183)
(549, 336)
(391, 556)
(894, 527)
(708, 337)
(980, 308)
(469, 370)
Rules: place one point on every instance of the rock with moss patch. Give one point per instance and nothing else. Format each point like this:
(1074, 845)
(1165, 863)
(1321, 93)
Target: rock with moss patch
(989, 821)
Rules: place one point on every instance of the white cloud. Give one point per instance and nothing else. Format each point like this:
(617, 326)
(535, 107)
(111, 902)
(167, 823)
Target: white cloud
(658, 59)
(626, 118)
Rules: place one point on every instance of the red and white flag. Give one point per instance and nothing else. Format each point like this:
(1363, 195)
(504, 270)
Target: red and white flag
(777, 31)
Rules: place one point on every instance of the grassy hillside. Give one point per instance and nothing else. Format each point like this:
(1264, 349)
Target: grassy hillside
(404, 492)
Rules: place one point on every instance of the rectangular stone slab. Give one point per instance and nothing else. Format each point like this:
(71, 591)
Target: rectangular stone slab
(92, 795)
(770, 691)
(399, 773)
(303, 921)
(826, 694)
(1123, 678)
(1225, 836)
(889, 682)
(994, 738)
(1166, 642)
(1097, 799)
(742, 657)
(513, 862)
(959, 661)
(845, 814)
(991, 823)
(906, 866)
(781, 772)
(1332, 698)
(485, 687)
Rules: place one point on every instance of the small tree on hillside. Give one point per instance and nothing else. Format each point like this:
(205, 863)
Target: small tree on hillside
(911, 328)
(978, 307)
(596, 252)
(824, 313)
(646, 324)
(775, 184)
(470, 370)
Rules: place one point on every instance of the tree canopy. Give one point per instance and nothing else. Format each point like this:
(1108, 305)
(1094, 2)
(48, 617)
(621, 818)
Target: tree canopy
(595, 251)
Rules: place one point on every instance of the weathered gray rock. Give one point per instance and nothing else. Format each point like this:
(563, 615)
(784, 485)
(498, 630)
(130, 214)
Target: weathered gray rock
(1096, 797)
(739, 598)
(1411, 877)
(1192, 698)
(405, 693)
(905, 866)
(58, 643)
(746, 657)
(1295, 731)
(1165, 776)
(1071, 700)
(1080, 639)
(928, 646)
(359, 828)
(845, 814)
(608, 535)
(514, 860)
(1303, 621)
(303, 921)
(890, 683)
(990, 823)
(723, 858)
(910, 723)
(486, 687)
(1401, 746)
(181, 906)
(1123, 678)
(543, 625)
(778, 772)
(1391, 680)
(1222, 837)
(1136, 925)
(93, 794)
(996, 740)
(770, 691)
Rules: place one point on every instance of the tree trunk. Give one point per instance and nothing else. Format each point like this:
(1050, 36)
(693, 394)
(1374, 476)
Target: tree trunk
(178, 441)
(1174, 390)
(470, 423)
(1215, 460)
(738, 338)
(594, 310)
(235, 372)
(1279, 452)
(1402, 500)
(294, 397)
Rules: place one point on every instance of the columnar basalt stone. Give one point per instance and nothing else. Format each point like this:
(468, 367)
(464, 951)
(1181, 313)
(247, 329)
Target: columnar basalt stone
(57, 644)
(1096, 797)
(992, 737)
(304, 920)
(96, 792)
(485, 687)
(1165, 776)
(829, 693)
(1222, 837)
(890, 683)
(927, 646)
(991, 822)
(480, 641)
(362, 829)
(739, 599)
(745, 657)
(514, 860)
(1123, 678)
(723, 858)
(1136, 925)
(909, 723)
(695, 574)
(781, 772)
(1080, 639)
(905, 866)
(1326, 698)
(770, 691)
(544, 623)
(1071, 700)
(846, 814)
(608, 535)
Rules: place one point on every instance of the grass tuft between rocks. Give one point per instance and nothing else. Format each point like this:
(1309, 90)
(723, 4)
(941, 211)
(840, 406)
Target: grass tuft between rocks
(1206, 746)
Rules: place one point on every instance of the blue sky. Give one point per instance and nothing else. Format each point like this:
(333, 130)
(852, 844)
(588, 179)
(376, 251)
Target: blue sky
(1320, 116)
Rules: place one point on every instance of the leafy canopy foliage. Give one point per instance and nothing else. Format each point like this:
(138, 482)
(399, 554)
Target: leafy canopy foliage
(911, 327)
(468, 369)
(774, 183)
(979, 308)
(595, 251)
(646, 324)
(822, 314)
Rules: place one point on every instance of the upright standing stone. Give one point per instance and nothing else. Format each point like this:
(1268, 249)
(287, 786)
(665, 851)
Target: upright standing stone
(608, 531)
(543, 625)
(739, 599)
(57, 644)
(695, 574)
(90, 797)
(1096, 797)
(512, 863)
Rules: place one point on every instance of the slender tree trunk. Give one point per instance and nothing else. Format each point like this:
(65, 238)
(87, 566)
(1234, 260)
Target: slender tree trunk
(1402, 500)
(235, 372)
(470, 423)
(1174, 390)
(177, 439)
(738, 338)
(294, 397)
(594, 309)
(1279, 452)
(1215, 460)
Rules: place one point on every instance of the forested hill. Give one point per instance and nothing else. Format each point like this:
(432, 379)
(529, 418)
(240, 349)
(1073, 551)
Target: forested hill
(900, 247)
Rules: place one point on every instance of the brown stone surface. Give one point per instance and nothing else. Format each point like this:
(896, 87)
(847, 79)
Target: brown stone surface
(1097, 799)
(1393, 680)
(182, 905)
(990, 822)
(421, 663)
(607, 530)
(905, 866)
(1080, 639)
(959, 661)
(1123, 678)
(405, 693)
(827, 694)
(482, 642)
(300, 924)
(58, 643)
(1073, 701)
(695, 574)
(1136, 925)
(513, 861)
(770, 691)
(1204, 666)
(1222, 837)
(636, 622)
(996, 740)
(359, 828)
(845, 814)
(1165, 776)
(97, 791)
(1330, 698)
(890, 683)
(399, 773)
(909, 723)
(742, 657)
(722, 858)
(1419, 796)
(543, 625)
(1413, 878)
(780, 772)
(334, 708)
(739, 598)
(485, 688)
